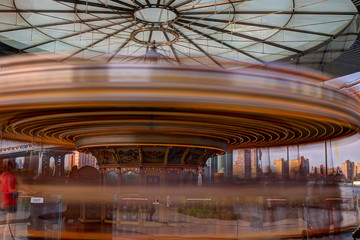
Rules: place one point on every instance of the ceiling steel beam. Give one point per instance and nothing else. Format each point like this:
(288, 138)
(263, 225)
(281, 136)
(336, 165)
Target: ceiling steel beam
(212, 4)
(188, 56)
(99, 5)
(149, 39)
(220, 42)
(148, 3)
(138, 3)
(183, 3)
(241, 35)
(198, 47)
(259, 25)
(96, 42)
(70, 35)
(169, 3)
(61, 23)
(118, 50)
(64, 11)
(123, 3)
(267, 12)
(171, 46)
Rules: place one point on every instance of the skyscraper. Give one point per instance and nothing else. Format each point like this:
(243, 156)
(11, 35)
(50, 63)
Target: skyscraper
(322, 170)
(281, 168)
(357, 170)
(247, 166)
(348, 168)
(314, 170)
(299, 167)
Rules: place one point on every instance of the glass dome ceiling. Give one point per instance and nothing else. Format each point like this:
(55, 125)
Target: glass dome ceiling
(190, 32)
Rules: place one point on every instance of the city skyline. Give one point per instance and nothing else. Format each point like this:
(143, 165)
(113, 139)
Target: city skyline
(338, 152)
(342, 157)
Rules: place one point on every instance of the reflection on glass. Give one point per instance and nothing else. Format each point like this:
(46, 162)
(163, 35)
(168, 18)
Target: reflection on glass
(304, 191)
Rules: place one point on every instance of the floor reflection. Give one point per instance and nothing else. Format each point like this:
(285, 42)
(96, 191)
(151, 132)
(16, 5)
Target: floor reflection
(251, 211)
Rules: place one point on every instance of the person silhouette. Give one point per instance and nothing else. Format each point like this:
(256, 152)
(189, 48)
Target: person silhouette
(72, 208)
(8, 184)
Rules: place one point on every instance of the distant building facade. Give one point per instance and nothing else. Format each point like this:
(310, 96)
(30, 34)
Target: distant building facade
(80, 159)
(357, 170)
(314, 170)
(299, 167)
(281, 169)
(348, 169)
(247, 164)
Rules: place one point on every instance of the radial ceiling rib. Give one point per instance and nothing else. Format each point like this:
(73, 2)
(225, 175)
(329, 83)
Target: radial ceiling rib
(131, 56)
(149, 39)
(259, 25)
(148, 3)
(138, 3)
(99, 5)
(188, 56)
(266, 12)
(63, 11)
(60, 23)
(198, 47)
(183, 3)
(212, 4)
(223, 43)
(96, 42)
(126, 4)
(242, 36)
(70, 35)
(172, 48)
(169, 3)
(118, 50)
(122, 46)
(167, 58)
(54, 39)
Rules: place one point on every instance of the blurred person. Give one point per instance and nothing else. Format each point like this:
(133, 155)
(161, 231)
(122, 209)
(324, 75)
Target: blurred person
(151, 210)
(324, 207)
(72, 208)
(333, 203)
(270, 210)
(317, 217)
(257, 213)
(8, 184)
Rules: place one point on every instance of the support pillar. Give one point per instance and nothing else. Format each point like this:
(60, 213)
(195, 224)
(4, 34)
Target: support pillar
(119, 177)
(326, 162)
(59, 164)
(221, 164)
(142, 176)
(162, 177)
(210, 173)
(45, 165)
(228, 173)
(34, 163)
(194, 178)
(181, 178)
(102, 176)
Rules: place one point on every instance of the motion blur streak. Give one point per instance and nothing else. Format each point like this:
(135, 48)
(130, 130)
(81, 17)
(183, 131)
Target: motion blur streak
(87, 105)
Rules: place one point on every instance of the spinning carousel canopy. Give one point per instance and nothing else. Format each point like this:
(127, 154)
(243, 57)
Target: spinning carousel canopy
(98, 105)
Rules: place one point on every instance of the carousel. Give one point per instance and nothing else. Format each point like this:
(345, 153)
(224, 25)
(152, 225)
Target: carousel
(155, 88)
